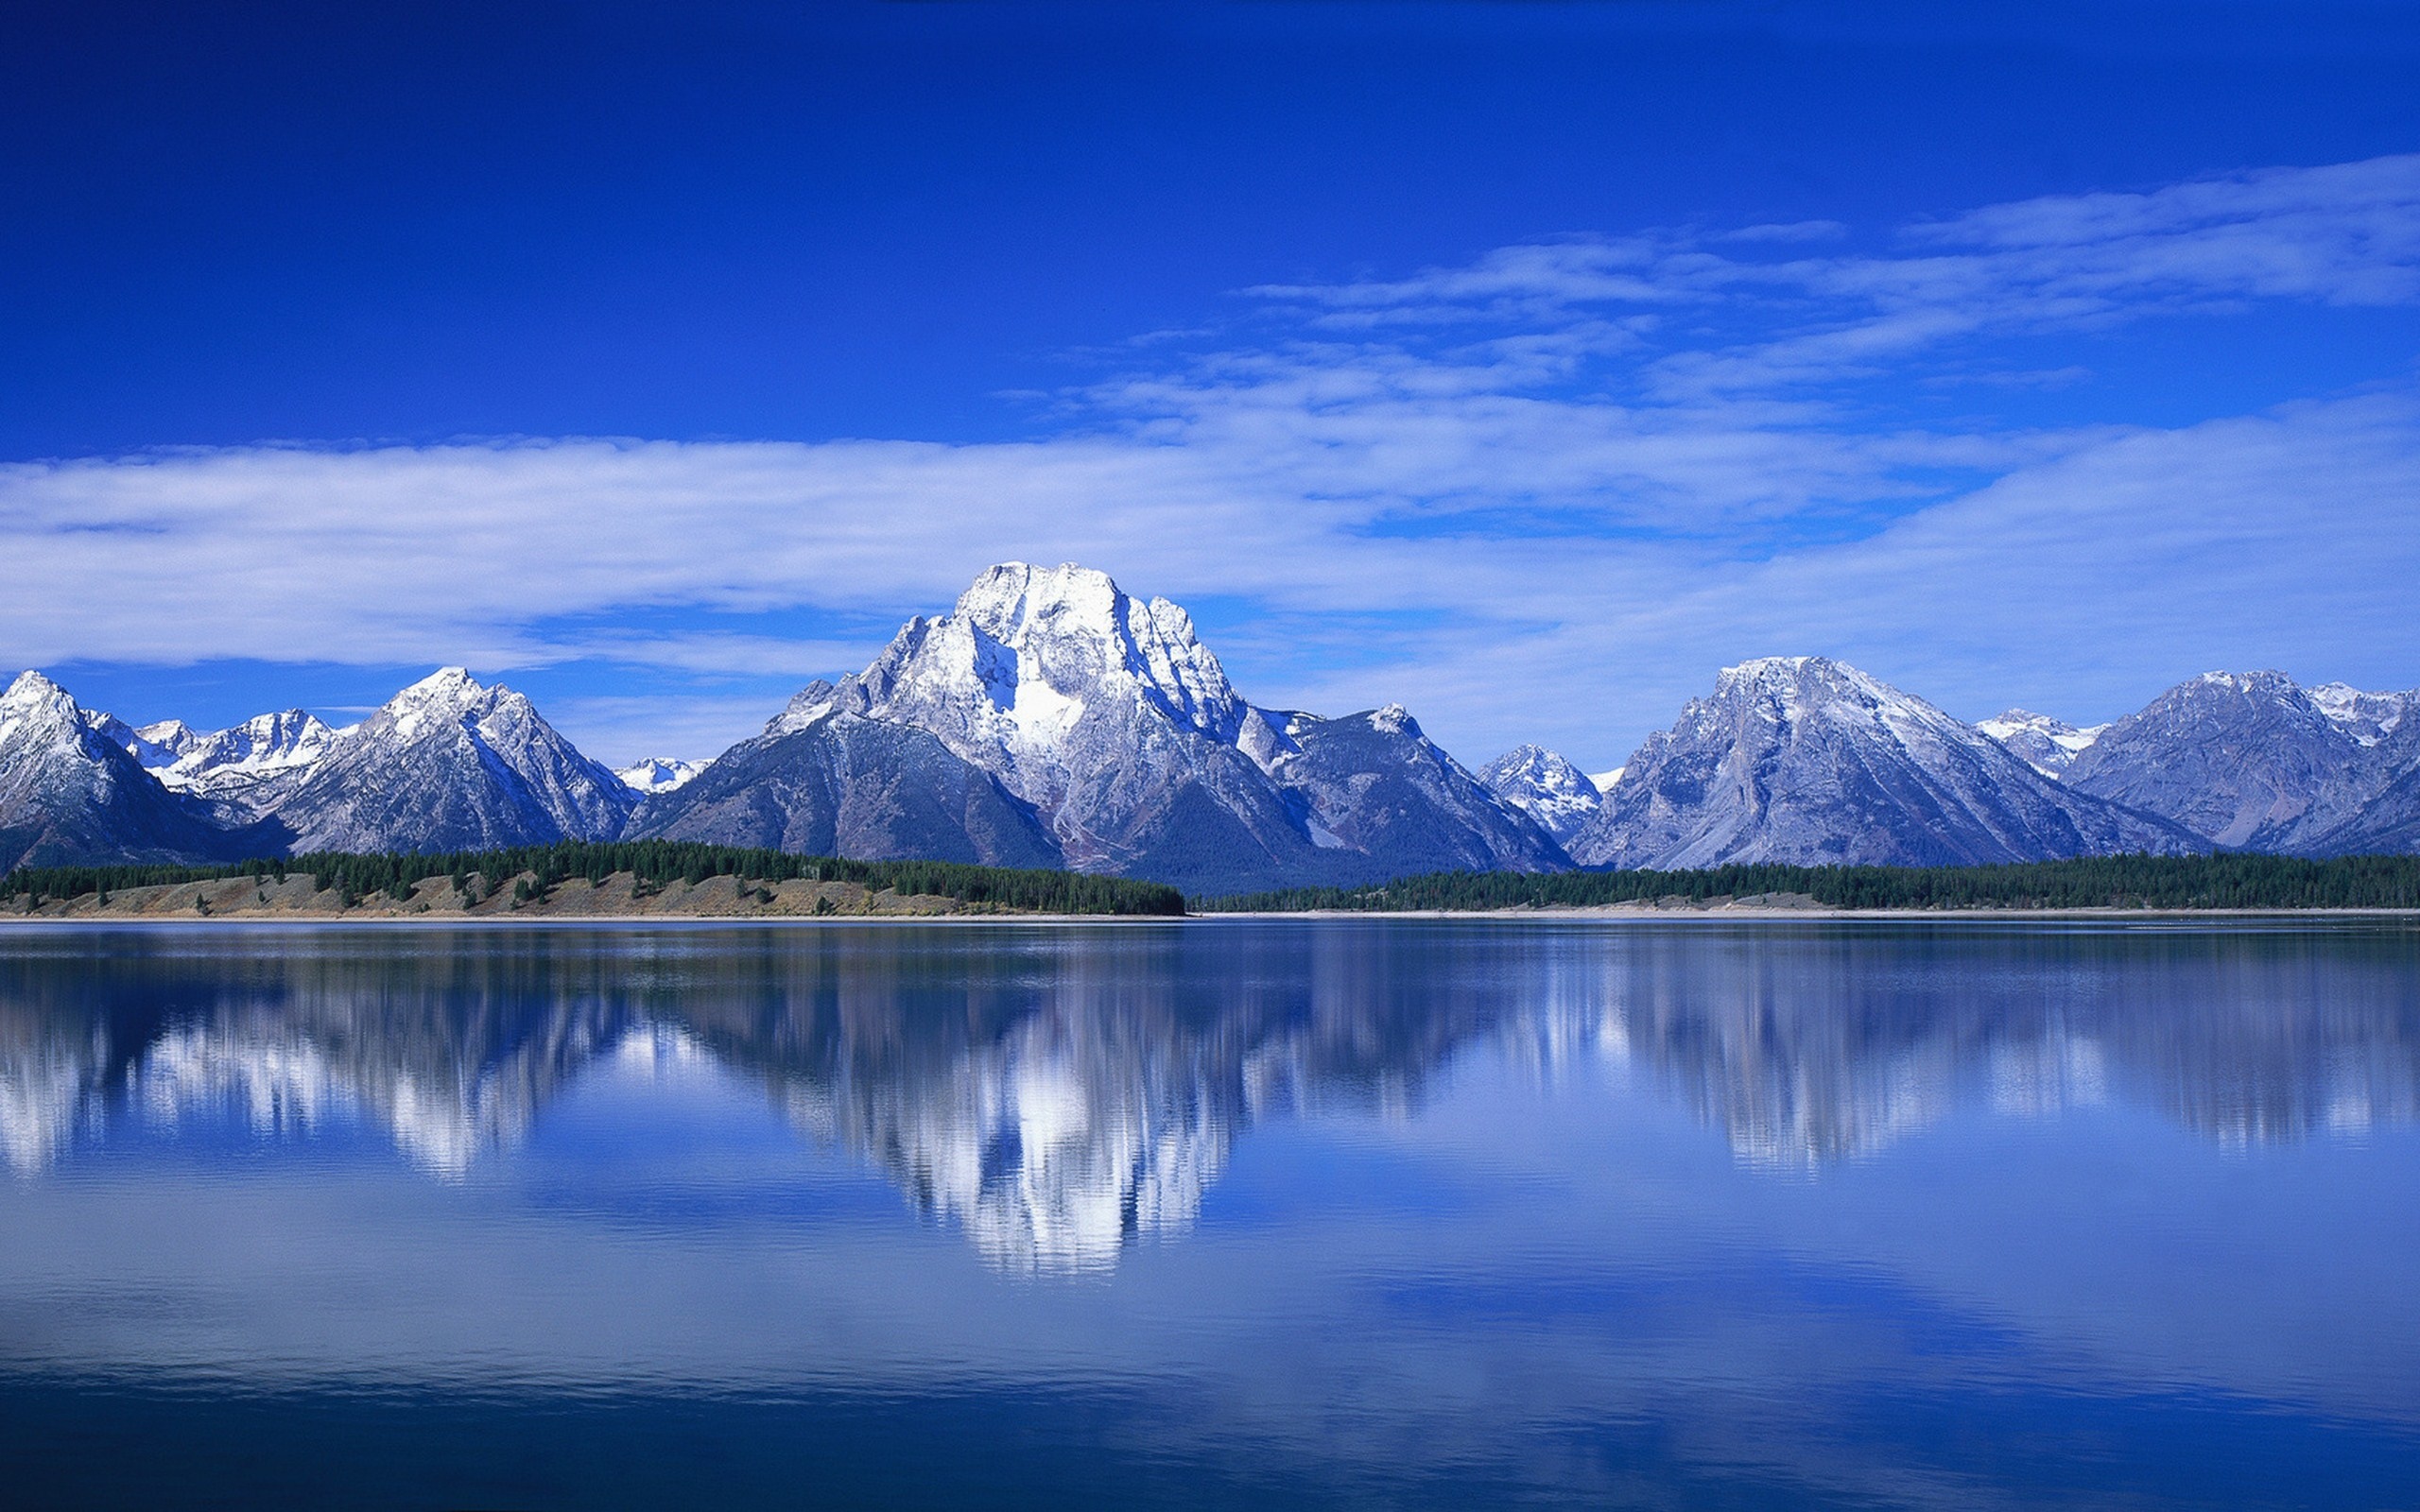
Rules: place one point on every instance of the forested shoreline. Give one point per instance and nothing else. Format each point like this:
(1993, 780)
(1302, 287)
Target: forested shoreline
(2218, 882)
(532, 872)
(529, 875)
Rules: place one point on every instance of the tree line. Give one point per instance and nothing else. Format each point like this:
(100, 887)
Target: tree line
(533, 872)
(2233, 881)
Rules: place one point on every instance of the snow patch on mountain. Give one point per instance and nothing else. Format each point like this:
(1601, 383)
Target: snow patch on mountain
(68, 793)
(660, 774)
(2254, 760)
(446, 765)
(2046, 745)
(242, 764)
(1546, 787)
(1807, 761)
(1108, 717)
(2368, 718)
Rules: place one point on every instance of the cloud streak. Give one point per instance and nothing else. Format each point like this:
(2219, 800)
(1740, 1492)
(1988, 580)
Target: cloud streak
(1539, 495)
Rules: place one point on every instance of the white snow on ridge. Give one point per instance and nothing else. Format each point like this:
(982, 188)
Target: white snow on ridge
(262, 747)
(1544, 785)
(2046, 745)
(2368, 718)
(660, 774)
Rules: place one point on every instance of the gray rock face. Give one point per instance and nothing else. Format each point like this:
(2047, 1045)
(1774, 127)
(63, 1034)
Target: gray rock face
(449, 764)
(847, 785)
(1558, 795)
(69, 795)
(1109, 720)
(155, 747)
(1376, 787)
(2046, 745)
(2387, 824)
(2251, 760)
(1804, 761)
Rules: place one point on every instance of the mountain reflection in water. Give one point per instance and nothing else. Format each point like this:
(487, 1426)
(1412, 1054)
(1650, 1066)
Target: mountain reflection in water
(1058, 1093)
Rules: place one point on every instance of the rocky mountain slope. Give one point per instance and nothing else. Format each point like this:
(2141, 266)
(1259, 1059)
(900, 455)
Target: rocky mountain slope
(1051, 719)
(2254, 760)
(154, 745)
(2046, 745)
(1811, 762)
(69, 794)
(250, 765)
(1378, 787)
(1547, 788)
(843, 784)
(1110, 721)
(450, 765)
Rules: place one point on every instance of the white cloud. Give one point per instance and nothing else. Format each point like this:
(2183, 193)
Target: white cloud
(1542, 495)
(2080, 586)
(2345, 234)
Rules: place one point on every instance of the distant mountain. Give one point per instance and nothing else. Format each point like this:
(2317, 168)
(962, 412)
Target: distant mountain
(2368, 718)
(450, 765)
(253, 765)
(1545, 788)
(69, 794)
(1811, 762)
(154, 747)
(2046, 745)
(2254, 760)
(841, 784)
(1376, 786)
(1051, 719)
(658, 774)
(1109, 720)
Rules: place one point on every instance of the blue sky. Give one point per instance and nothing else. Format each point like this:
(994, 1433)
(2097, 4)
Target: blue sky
(1523, 363)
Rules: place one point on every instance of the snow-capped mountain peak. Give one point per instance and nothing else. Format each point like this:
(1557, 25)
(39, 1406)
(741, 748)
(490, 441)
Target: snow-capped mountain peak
(35, 707)
(68, 793)
(1786, 689)
(450, 762)
(1037, 671)
(2368, 718)
(2254, 759)
(659, 774)
(2046, 745)
(1810, 761)
(1544, 785)
(1045, 643)
(241, 756)
(448, 692)
(1104, 717)
(161, 742)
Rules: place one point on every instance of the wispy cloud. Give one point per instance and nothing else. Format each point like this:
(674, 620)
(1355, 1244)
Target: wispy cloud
(1540, 494)
(2346, 234)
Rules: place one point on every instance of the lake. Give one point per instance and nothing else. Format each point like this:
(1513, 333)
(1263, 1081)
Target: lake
(1386, 1212)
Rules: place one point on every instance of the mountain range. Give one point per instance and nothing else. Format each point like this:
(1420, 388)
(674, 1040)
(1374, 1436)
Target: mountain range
(1049, 719)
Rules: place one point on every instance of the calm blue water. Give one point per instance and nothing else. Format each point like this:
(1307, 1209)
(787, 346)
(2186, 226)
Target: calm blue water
(1342, 1214)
